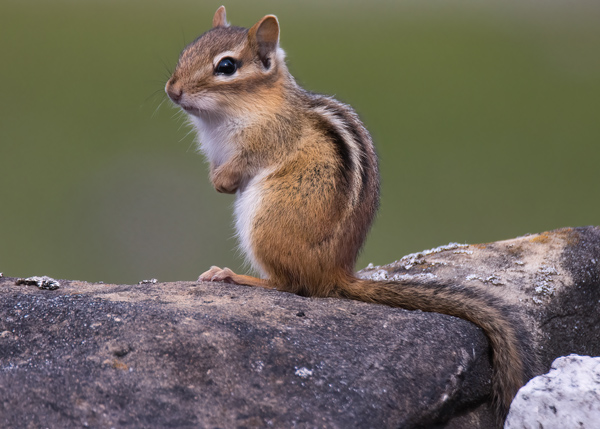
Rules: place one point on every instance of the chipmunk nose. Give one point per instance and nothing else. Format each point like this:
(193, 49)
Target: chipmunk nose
(174, 91)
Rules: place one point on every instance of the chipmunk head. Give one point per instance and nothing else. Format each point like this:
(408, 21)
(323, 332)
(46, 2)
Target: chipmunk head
(227, 69)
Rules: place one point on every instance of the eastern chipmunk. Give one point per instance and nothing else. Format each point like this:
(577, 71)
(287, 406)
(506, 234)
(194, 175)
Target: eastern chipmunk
(307, 182)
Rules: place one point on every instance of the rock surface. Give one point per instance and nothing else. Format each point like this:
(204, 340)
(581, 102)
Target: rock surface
(190, 354)
(552, 278)
(198, 355)
(567, 397)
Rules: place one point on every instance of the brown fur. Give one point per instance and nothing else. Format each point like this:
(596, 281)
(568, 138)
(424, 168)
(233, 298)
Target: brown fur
(313, 167)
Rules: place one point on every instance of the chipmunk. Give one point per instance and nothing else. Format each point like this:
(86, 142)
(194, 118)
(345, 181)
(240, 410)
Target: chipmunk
(306, 176)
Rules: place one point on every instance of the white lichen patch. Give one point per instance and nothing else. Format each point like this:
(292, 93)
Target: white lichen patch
(411, 262)
(379, 275)
(544, 283)
(494, 279)
(411, 277)
(303, 372)
(383, 275)
(463, 252)
(413, 259)
(258, 366)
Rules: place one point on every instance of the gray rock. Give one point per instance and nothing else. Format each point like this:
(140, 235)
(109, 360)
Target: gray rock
(213, 355)
(190, 354)
(552, 279)
(567, 397)
(43, 282)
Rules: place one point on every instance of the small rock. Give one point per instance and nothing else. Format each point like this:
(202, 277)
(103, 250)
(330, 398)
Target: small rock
(119, 349)
(566, 397)
(43, 282)
(303, 372)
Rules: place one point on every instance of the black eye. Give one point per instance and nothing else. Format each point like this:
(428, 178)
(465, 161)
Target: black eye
(226, 66)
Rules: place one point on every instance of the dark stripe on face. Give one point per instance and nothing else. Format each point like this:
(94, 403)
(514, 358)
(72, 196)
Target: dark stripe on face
(250, 84)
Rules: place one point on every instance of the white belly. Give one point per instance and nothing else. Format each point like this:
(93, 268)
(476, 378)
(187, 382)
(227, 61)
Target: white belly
(246, 206)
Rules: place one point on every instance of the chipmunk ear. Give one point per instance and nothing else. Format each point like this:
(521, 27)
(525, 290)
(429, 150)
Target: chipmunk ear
(265, 35)
(220, 18)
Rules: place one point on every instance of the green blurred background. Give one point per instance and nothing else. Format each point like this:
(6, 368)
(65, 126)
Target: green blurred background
(486, 116)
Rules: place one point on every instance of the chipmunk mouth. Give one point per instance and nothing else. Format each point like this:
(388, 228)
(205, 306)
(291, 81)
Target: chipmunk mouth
(197, 105)
(178, 96)
(188, 108)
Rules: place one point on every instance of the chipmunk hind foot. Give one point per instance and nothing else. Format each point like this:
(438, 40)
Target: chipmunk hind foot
(225, 275)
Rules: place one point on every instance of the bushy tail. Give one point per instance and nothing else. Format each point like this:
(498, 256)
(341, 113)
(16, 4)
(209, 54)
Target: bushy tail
(513, 359)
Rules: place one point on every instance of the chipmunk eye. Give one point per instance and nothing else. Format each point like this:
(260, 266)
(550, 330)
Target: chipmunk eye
(226, 66)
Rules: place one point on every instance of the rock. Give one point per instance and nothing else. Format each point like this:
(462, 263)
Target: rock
(552, 278)
(567, 397)
(214, 355)
(43, 282)
(190, 354)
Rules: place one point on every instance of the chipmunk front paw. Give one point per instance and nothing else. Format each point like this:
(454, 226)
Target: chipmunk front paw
(225, 179)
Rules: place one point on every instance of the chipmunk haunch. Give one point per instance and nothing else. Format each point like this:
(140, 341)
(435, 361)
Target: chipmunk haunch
(306, 176)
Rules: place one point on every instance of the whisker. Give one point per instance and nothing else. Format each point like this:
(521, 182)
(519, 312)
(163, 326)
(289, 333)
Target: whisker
(185, 136)
(158, 107)
(154, 93)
